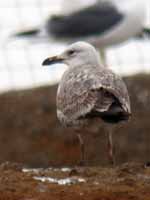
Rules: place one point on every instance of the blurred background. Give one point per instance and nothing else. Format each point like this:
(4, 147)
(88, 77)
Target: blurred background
(20, 60)
(29, 130)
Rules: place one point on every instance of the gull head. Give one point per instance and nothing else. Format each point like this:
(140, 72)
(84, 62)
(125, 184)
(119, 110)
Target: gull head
(77, 54)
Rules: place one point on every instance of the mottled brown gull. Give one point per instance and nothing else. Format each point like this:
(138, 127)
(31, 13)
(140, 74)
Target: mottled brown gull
(89, 91)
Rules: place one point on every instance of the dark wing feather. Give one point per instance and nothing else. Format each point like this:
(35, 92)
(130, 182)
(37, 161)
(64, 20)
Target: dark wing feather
(95, 19)
(108, 108)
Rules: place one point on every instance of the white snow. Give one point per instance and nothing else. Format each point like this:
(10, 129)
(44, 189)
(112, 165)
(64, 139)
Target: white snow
(64, 181)
(28, 170)
(37, 170)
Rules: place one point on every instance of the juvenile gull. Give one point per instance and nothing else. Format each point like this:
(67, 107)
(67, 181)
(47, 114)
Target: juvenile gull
(89, 91)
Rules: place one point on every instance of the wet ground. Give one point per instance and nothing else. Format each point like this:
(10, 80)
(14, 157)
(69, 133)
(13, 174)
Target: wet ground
(127, 182)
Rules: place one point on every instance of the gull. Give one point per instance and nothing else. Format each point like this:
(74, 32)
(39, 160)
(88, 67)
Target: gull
(89, 91)
(107, 22)
(102, 23)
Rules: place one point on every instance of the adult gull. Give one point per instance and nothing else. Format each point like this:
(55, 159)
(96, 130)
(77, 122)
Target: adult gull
(103, 22)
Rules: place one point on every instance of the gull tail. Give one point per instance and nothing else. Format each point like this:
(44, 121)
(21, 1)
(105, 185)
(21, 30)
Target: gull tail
(27, 33)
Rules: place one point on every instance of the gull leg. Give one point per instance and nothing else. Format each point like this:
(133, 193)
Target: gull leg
(75, 170)
(103, 56)
(110, 148)
(82, 149)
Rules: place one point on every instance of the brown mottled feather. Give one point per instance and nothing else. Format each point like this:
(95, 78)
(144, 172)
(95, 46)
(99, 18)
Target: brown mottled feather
(86, 89)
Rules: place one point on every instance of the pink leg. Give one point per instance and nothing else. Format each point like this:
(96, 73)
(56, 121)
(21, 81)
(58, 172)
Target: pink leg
(110, 148)
(82, 149)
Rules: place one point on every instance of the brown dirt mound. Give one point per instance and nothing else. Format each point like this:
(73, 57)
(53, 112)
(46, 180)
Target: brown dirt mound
(31, 134)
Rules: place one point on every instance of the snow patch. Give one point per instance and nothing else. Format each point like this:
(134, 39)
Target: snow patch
(26, 170)
(64, 181)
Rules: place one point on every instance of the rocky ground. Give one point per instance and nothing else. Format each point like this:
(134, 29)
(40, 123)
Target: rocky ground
(31, 136)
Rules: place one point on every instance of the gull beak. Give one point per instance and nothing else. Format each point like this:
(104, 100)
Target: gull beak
(52, 60)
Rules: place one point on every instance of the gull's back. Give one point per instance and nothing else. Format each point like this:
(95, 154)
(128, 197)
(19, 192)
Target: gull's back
(95, 20)
(92, 92)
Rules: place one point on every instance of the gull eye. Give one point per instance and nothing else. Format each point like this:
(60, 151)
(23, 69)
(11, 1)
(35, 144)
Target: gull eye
(71, 52)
